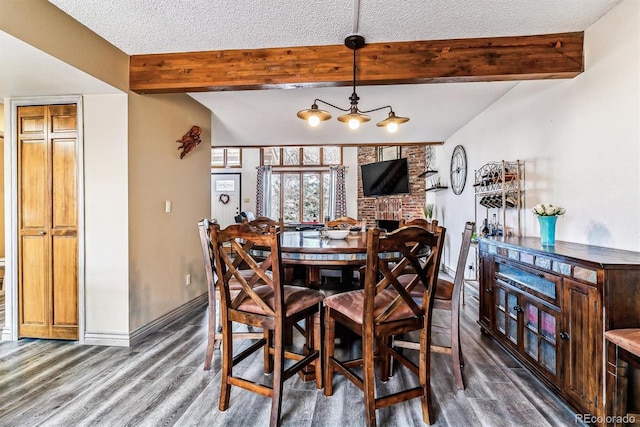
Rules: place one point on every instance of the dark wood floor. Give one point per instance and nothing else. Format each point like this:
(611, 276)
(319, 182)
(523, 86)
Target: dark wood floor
(161, 382)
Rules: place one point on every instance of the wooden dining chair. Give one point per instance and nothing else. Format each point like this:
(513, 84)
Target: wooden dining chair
(343, 222)
(430, 225)
(266, 222)
(272, 306)
(447, 298)
(214, 336)
(385, 308)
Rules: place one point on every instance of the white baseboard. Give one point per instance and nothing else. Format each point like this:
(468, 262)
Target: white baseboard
(128, 340)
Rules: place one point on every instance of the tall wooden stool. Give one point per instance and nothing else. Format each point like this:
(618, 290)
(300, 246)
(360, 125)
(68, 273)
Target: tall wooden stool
(623, 348)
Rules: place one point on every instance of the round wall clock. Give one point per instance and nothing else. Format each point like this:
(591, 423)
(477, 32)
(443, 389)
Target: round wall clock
(458, 169)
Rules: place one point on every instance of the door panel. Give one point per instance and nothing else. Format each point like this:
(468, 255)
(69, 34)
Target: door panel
(34, 295)
(65, 209)
(65, 281)
(33, 183)
(583, 353)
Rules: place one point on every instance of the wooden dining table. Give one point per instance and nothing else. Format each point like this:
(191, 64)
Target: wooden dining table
(313, 251)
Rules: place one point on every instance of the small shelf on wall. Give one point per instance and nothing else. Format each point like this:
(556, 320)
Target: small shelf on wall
(436, 188)
(428, 173)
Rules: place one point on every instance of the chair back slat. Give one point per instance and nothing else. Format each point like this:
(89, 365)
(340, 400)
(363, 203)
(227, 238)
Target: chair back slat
(207, 250)
(419, 248)
(423, 222)
(265, 222)
(343, 222)
(242, 238)
(458, 279)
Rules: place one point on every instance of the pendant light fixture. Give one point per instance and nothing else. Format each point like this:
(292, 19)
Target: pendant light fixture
(354, 116)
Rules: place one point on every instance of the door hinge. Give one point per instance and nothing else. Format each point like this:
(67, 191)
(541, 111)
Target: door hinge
(595, 401)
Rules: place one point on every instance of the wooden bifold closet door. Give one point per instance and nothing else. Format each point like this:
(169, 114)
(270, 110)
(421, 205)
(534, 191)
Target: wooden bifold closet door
(48, 222)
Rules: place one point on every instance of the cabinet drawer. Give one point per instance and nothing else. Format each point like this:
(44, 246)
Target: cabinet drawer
(531, 281)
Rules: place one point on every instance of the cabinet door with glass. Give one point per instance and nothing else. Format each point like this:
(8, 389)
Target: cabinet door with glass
(506, 312)
(541, 331)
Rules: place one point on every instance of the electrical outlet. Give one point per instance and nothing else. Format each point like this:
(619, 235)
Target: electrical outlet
(187, 279)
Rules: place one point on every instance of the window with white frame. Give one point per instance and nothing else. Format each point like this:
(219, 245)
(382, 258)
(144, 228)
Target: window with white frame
(226, 157)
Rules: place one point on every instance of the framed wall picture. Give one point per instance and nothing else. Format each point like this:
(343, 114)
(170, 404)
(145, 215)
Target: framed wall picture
(389, 152)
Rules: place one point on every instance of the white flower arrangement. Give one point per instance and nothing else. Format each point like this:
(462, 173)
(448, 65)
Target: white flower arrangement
(547, 209)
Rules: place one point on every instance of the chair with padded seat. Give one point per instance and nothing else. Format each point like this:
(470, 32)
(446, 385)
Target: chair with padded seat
(385, 308)
(214, 336)
(344, 222)
(447, 298)
(264, 302)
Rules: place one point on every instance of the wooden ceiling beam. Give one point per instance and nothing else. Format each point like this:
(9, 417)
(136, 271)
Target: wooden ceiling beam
(549, 56)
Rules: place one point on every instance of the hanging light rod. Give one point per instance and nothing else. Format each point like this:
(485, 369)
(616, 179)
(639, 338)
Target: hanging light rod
(354, 116)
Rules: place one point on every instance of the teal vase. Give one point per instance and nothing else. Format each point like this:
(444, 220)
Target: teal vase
(547, 230)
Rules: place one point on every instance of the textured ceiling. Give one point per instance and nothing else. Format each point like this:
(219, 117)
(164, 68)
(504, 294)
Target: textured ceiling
(267, 117)
(159, 26)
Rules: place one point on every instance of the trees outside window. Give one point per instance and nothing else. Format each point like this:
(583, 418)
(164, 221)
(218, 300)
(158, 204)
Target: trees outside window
(300, 181)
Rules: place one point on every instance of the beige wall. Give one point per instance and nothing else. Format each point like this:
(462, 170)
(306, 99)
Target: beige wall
(164, 247)
(136, 256)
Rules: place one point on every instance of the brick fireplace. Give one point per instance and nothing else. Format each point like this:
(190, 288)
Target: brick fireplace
(405, 206)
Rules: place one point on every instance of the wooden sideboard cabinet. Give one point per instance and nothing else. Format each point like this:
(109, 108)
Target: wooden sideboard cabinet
(549, 306)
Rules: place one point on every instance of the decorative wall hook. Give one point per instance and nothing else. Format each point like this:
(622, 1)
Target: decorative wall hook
(189, 141)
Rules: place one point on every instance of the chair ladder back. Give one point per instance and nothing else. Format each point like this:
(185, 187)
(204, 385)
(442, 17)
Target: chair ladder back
(411, 242)
(243, 237)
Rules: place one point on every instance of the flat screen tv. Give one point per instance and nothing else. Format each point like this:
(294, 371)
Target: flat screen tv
(385, 178)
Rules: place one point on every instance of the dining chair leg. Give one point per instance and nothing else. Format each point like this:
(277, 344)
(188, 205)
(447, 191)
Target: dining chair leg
(425, 375)
(317, 346)
(385, 358)
(227, 364)
(278, 369)
(328, 348)
(456, 349)
(368, 376)
(268, 358)
(211, 331)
